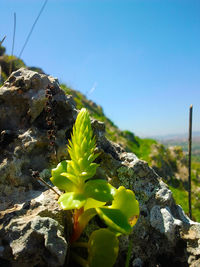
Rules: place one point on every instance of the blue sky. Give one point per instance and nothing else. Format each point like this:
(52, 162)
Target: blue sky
(138, 59)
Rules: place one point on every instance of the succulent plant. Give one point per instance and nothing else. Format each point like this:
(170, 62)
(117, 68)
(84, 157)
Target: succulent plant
(88, 197)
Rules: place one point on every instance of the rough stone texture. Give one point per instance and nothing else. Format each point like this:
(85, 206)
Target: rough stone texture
(33, 229)
(23, 127)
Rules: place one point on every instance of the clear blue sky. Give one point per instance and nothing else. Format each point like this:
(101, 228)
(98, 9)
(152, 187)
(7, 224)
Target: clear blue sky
(138, 59)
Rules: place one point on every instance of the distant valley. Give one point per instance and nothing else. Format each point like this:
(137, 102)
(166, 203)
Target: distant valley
(182, 140)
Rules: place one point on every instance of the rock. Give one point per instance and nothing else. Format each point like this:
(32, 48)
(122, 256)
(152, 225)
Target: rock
(162, 220)
(38, 242)
(164, 195)
(195, 263)
(32, 223)
(23, 126)
(34, 231)
(137, 262)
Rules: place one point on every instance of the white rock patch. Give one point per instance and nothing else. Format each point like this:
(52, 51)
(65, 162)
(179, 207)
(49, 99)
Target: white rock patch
(162, 220)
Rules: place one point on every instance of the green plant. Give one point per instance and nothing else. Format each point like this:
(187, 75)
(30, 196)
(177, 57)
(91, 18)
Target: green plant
(88, 197)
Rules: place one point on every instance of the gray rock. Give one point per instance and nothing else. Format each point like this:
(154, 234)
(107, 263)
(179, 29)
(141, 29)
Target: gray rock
(164, 195)
(33, 231)
(163, 221)
(23, 126)
(137, 262)
(42, 239)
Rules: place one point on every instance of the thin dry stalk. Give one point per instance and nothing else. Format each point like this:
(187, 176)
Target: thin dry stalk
(1, 42)
(189, 161)
(13, 44)
(35, 174)
(32, 28)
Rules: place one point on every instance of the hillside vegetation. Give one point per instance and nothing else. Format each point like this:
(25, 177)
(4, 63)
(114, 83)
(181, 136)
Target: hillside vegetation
(179, 192)
(169, 162)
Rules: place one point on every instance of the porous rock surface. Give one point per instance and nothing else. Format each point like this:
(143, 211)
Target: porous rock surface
(33, 229)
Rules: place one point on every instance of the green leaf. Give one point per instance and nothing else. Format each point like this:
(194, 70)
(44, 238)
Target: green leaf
(71, 177)
(98, 189)
(60, 181)
(115, 219)
(89, 171)
(103, 247)
(125, 201)
(92, 203)
(72, 200)
(123, 213)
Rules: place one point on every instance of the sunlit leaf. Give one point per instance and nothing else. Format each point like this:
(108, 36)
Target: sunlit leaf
(71, 177)
(71, 200)
(60, 181)
(92, 203)
(98, 189)
(125, 201)
(123, 213)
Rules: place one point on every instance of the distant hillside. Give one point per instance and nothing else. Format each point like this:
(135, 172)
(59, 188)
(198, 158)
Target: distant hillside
(175, 137)
(183, 142)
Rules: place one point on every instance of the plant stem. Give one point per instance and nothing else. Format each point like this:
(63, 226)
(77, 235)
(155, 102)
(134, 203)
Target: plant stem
(128, 257)
(79, 259)
(77, 230)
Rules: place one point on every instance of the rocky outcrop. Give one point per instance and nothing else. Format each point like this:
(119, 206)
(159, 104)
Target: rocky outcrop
(33, 229)
(23, 127)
